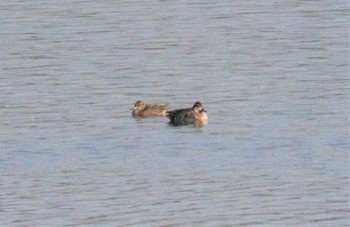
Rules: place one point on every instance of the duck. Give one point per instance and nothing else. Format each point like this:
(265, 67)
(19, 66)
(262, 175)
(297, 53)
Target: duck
(143, 110)
(195, 115)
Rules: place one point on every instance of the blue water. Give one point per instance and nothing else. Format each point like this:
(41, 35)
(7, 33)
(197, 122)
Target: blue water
(273, 76)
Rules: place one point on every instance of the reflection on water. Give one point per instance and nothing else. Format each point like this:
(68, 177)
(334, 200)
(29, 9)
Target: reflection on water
(273, 77)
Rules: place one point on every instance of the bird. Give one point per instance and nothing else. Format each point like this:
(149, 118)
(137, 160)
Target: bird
(142, 110)
(194, 115)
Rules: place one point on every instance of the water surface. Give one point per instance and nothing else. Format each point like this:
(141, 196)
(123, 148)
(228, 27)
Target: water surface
(273, 76)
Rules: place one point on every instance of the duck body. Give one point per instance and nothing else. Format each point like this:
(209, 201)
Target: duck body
(142, 110)
(193, 115)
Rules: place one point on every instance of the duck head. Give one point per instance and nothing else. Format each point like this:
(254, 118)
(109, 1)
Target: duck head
(197, 107)
(139, 105)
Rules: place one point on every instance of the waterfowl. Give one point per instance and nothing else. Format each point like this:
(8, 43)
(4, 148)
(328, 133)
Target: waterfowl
(194, 115)
(143, 110)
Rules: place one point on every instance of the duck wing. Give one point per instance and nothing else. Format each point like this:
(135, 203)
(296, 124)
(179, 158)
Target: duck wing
(181, 116)
(157, 107)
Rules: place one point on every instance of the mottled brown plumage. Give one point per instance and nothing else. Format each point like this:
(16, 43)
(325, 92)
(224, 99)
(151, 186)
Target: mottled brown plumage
(142, 110)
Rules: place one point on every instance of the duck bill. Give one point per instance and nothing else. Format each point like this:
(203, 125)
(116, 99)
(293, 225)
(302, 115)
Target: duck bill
(133, 108)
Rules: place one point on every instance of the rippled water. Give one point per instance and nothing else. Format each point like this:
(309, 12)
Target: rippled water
(274, 77)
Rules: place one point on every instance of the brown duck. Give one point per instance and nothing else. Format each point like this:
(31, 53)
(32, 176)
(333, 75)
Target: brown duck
(142, 110)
